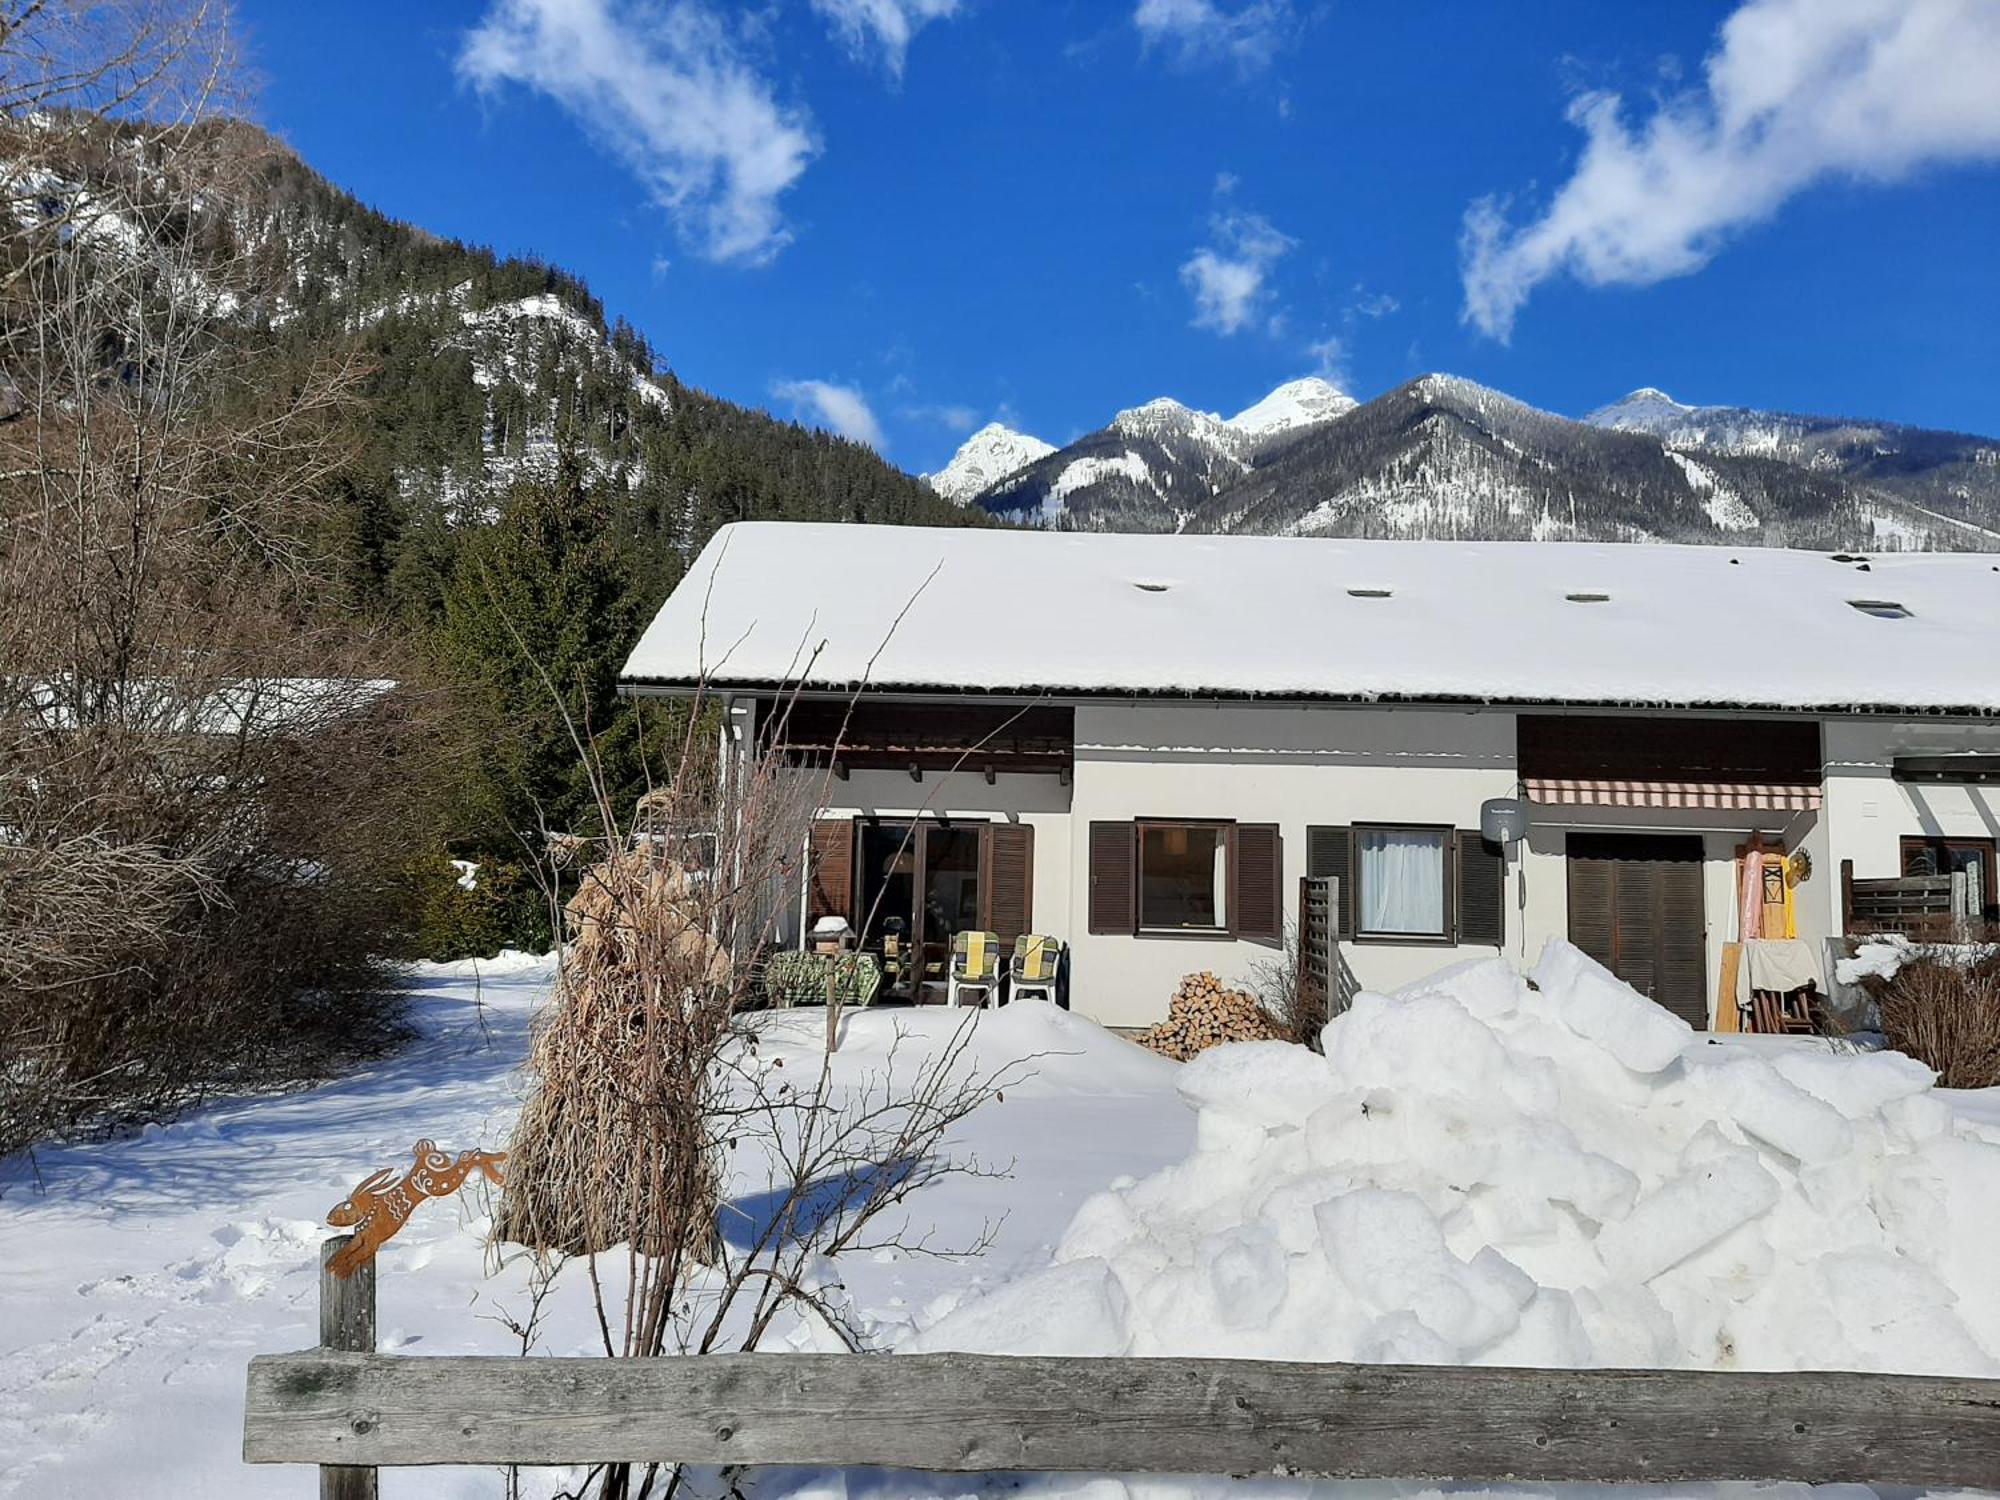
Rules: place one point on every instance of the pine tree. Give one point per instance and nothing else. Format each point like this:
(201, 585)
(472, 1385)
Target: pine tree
(538, 614)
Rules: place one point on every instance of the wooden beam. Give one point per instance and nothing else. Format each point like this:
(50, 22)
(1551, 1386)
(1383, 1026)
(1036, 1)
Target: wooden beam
(347, 1324)
(964, 1413)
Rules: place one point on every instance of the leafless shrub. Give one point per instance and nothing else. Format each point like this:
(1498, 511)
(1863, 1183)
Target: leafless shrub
(206, 772)
(1944, 1010)
(651, 1089)
(1287, 995)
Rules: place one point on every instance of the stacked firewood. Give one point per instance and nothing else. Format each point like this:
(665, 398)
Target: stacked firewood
(1205, 1013)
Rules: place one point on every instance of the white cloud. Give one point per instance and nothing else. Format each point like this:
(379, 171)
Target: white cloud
(883, 26)
(1369, 304)
(1796, 91)
(949, 415)
(1329, 357)
(667, 89)
(1228, 278)
(837, 408)
(1246, 36)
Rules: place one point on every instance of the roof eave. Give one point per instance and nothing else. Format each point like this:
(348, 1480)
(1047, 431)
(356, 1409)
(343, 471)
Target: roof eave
(666, 687)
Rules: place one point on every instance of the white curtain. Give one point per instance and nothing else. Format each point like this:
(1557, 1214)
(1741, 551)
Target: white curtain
(1402, 880)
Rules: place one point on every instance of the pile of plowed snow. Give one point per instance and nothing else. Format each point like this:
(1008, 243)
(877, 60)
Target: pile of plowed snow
(1486, 1170)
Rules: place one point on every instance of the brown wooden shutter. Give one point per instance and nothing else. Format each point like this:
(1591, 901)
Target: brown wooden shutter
(1683, 965)
(1114, 858)
(830, 884)
(1482, 891)
(1591, 924)
(1009, 881)
(1330, 851)
(1260, 882)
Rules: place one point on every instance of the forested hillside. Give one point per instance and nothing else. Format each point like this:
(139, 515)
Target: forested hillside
(479, 372)
(322, 540)
(527, 481)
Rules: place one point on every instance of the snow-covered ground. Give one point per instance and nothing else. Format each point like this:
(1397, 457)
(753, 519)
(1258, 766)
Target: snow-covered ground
(1477, 1171)
(140, 1276)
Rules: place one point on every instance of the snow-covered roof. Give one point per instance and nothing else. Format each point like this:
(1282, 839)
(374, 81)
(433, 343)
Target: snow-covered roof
(1029, 612)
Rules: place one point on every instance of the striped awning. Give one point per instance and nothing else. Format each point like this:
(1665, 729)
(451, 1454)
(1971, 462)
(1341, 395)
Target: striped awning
(1748, 796)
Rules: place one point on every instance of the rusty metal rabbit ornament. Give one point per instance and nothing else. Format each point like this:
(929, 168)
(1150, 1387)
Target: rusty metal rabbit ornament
(382, 1202)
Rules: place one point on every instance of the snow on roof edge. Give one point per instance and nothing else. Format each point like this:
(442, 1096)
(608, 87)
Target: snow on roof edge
(1094, 615)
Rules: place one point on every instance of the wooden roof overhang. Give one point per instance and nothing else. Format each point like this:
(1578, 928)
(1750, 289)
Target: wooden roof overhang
(870, 735)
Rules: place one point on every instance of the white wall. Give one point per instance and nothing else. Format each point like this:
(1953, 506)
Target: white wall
(1868, 813)
(1291, 766)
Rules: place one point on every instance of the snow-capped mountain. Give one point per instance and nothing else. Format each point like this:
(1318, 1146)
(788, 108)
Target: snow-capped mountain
(984, 459)
(1295, 404)
(1950, 479)
(1155, 467)
(1149, 469)
(1442, 456)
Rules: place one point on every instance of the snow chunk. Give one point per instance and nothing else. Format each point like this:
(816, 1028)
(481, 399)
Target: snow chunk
(1688, 1214)
(1599, 1007)
(1272, 1084)
(1077, 1308)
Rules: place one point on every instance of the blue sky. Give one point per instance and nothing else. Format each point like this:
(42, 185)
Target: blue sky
(903, 218)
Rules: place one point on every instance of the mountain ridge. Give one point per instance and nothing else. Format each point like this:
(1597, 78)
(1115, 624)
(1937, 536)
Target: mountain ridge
(1444, 456)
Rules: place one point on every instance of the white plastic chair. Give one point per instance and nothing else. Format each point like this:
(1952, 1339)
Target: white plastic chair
(1032, 970)
(975, 967)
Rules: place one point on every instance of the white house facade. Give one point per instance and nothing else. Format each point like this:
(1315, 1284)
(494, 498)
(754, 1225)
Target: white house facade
(1143, 745)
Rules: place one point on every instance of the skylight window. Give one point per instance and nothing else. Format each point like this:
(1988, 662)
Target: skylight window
(1587, 598)
(1881, 609)
(1370, 593)
(1150, 585)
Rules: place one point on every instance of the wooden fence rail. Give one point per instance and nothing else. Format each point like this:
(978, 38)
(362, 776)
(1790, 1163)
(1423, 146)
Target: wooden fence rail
(358, 1411)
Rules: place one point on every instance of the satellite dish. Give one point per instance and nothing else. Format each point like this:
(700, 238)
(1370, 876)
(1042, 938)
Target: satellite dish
(1503, 820)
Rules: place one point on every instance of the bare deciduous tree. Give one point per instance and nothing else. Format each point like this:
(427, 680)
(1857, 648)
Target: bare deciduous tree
(204, 768)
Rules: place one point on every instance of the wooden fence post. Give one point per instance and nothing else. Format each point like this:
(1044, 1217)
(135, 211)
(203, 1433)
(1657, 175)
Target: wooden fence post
(346, 1322)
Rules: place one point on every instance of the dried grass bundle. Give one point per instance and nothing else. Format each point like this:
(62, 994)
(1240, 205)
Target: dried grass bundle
(613, 1148)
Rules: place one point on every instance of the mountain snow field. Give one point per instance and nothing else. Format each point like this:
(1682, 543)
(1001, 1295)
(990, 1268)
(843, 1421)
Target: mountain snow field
(1479, 1169)
(984, 459)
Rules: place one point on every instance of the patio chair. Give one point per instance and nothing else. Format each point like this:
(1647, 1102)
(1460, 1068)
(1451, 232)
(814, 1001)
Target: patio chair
(1032, 970)
(975, 967)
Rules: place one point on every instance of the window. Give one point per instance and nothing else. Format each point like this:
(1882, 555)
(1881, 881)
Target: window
(1184, 877)
(1882, 609)
(1403, 882)
(1972, 858)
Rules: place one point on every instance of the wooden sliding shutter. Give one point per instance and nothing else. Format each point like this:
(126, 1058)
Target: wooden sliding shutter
(830, 882)
(1635, 905)
(1330, 851)
(1114, 859)
(1008, 881)
(1260, 882)
(1482, 891)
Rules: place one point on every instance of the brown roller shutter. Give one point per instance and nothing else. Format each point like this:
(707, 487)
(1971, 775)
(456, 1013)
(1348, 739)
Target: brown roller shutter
(830, 883)
(1330, 851)
(1683, 966)
(1635, 905)
(1482, 891)
(1591, 883)
(1113, 877)
(1009, 881)
(1260, 877)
